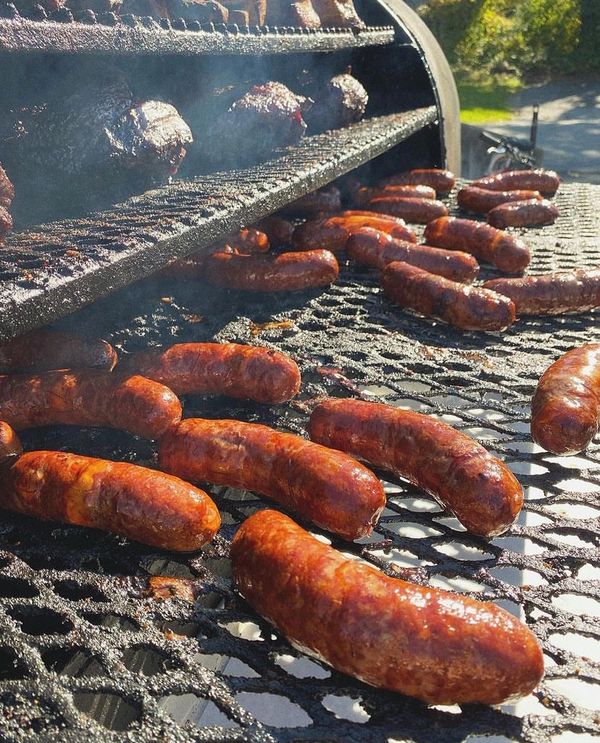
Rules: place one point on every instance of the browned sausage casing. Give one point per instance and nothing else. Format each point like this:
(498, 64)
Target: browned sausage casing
(278, 230)
(526, 213)
(326, 487)
(365, 194)
(481, 201)
(442, 181)
(565, 410)
(53, 349)
(369, 247)
(544, 181)
(485, 242)
(463, 306)
(333, 233)
(10, 444)
(266, 273)
(245, 372)
(455, 469)
(89, 398)
(138, 503)
(413, 209)
(438, 646)
(552, 293)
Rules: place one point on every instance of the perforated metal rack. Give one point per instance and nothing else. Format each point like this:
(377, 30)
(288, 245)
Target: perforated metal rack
(85, 657)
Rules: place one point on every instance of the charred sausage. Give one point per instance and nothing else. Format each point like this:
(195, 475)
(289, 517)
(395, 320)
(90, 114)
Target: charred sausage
(10, 446)
(278, 230)
(544, 181)
(456, 470)
(369, 247)
(565, 410)
(525, 213)
(485, 242)
(481, 201)
(245, 372)
(412, 209)
(333, 233)
(135, 502)
(41, 350)
(442, 181)
(284, 272)
(438, 646)
(463, 306)
(552, 293)
(89, 398)
(365, 194)
(326, 487)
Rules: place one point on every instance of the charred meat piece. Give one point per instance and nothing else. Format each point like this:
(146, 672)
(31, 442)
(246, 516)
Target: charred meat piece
(338, 14)
(267, 117)
(7, 190)
(299, 13)
(340, 101)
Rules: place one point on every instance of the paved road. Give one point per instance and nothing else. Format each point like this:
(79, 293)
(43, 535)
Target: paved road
(569, 125)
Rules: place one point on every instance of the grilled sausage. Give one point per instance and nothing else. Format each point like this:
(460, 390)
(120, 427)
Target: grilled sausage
(10, 445)
(325, 200)
(456, 470)
(41, 350)
(89, 398)
(369, 247)
(463, 306)
(326, 487)
(278, 230)
(416, 210)
(486, 243)
(565, 410)
(552, 293)
(135, 502)
(247, 240)
(438, 646)
(481, 201)
(245, 372)
(544, 181)
(525, 213)
(442, 181)
(364, 194)
(285, 272)
(333, 233)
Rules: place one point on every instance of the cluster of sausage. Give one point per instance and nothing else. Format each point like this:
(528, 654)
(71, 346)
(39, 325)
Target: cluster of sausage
(493, 656)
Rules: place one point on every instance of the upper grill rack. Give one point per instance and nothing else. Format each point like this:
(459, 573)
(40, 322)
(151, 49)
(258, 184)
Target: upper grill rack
(56, 268)
(106, 33)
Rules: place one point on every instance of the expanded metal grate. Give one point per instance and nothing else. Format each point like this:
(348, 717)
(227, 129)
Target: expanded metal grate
(86, 657)
(56, 268)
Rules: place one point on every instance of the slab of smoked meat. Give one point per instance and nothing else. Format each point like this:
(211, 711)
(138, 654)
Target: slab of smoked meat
(337, 14)
(93, 145)
(340, 101)
(300, 13)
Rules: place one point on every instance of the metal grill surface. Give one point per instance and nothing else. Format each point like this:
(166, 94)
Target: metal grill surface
(58, 267)
(78, 637)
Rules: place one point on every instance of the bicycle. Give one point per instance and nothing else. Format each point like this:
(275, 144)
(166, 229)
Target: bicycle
(510, 153)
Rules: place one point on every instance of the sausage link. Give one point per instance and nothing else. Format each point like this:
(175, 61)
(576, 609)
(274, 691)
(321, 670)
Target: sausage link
(552, 293)
(324, 201)
(369, 247)
(326, 487)
(285, 272)
(245, 372)
(135, 502)
(486, 243)
(525, 213)
(333, 233)
(481, 201)
(544, 181)
(247, 240)
(565, 410)
(416, 210)
(42, 350)
(365, 194)
(89, 398)
(434, 645)
(278, 230)
(456, 470)
(442, 181)
(10, 445)
(463, 306)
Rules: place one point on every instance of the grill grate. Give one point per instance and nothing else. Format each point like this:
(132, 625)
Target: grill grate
(56, 268)
(70, 598)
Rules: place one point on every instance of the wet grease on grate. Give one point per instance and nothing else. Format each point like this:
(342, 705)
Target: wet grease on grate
(79, 636)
